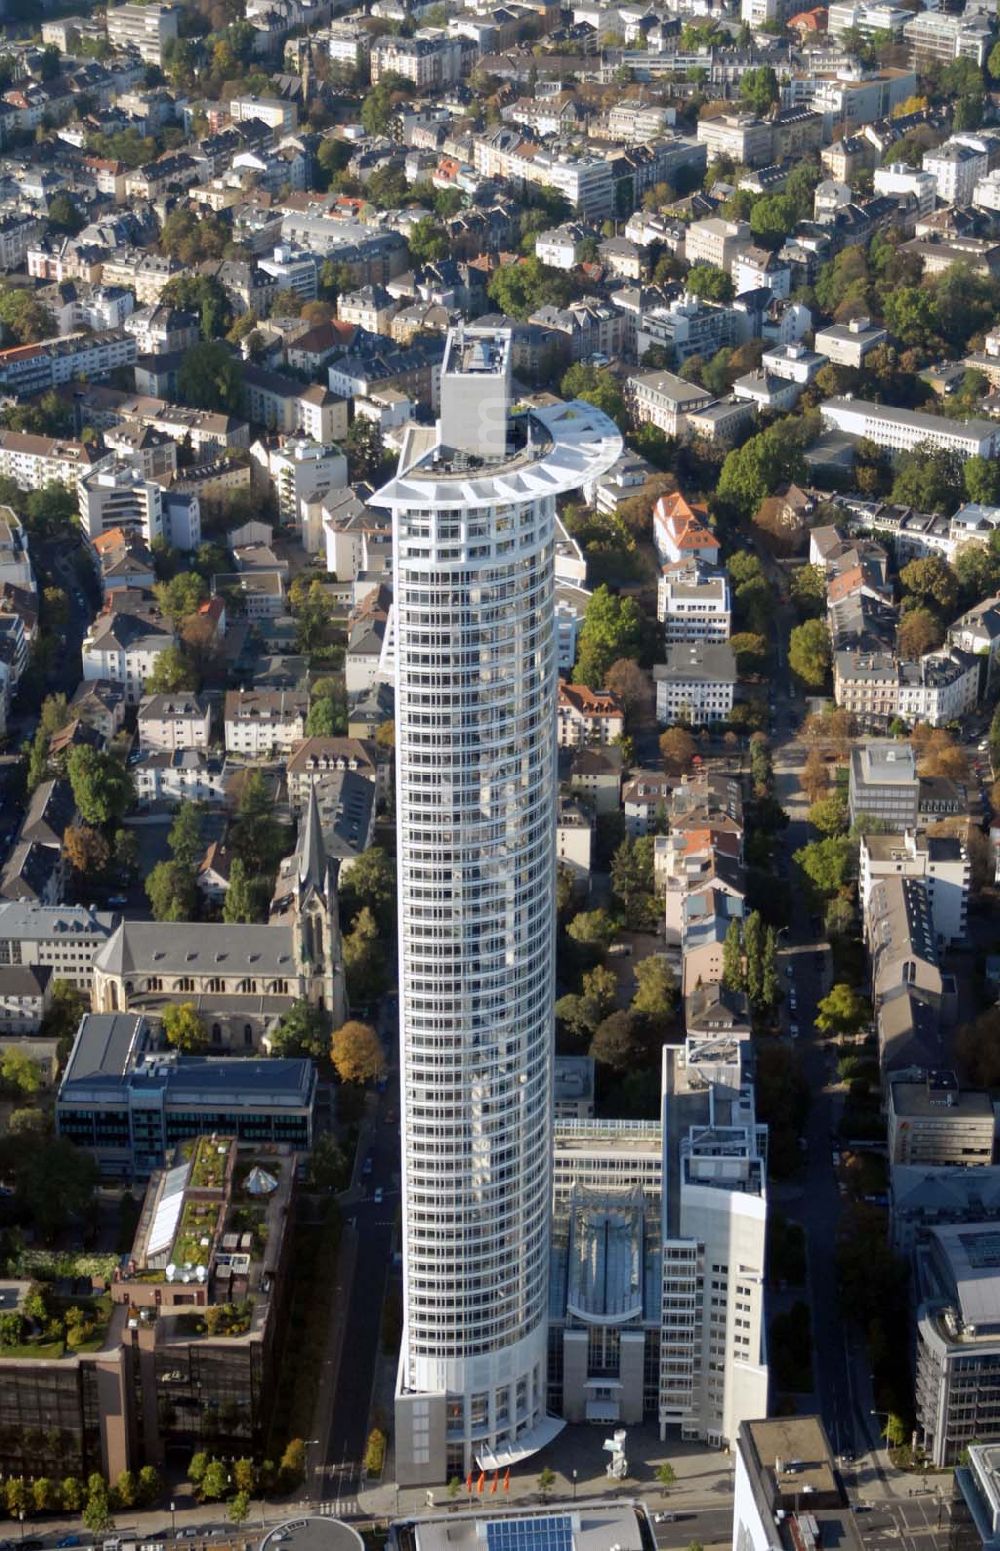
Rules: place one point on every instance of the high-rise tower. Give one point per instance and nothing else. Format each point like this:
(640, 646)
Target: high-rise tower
(474, 506)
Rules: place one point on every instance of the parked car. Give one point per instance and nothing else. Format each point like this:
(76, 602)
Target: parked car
(367, 1166)
(377, 1197)
(793, 1030)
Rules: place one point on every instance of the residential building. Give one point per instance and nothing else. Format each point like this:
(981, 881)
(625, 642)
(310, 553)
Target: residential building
(431, 58)
(663, 399)
(277, 113)
(900, 179)
(956, 168)
(259, 723)
(302, 469)
(145, 28)
(681, 533)
(122, 647)
(574, 839)
(742, 136)
(644, 800)
(474, 577)
(697, 684)
(933, 1122)
(587, 716)
(314, 758)
(941, 860)
(847, 344)
(715, 241)
(35, 461)
(15, 561)
(912, 997)
(693, 603)
(116, 495)
(181, 721)
(883, 784)
(28, 369)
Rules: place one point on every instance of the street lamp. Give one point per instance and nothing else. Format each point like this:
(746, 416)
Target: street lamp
(574, 1483)
(173, 1519)
(20, 1515)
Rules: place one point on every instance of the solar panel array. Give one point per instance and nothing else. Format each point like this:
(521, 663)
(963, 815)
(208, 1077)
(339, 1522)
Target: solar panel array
(550, 1532)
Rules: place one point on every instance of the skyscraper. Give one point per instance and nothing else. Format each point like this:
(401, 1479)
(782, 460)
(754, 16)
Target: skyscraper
(474, 505)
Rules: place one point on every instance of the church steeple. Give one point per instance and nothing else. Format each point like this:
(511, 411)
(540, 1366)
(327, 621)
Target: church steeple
(313, 871)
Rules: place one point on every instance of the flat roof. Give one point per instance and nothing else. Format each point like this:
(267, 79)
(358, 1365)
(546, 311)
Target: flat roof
(312, 1534)
(558, 1527)
(920, 1099)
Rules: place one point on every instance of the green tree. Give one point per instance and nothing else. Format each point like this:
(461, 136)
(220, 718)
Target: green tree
(655, 988)
(172, 672)
(71, 1494)
(244, 900)
(592, 928)
(595, 385)
(365, 449)
(171, 891)
(750, 651)
(827, 864)
(51, 512)
(759, 88)
(303, 1031)
(618, 1043)
(895, 1430)
(245, 1476)
(600, 988)
(364, 959)
(215, 1481)
(519, 289)
(841, 1011)
(611, 629)
(709, 282)
(809, 652)
(666, 1475)
(97, 1515)
(772, 218)
(197, 1467)
(829, 814)
(733, 977)
(211, 377)
(102, 785)
(184, 1029)
(150, 1485)
(180, 597)
(932, 582)
(753, 949)
(204, 295)
(371, 882)
(18, 1072)
(185, 838)
(256, 837)
(325, 719)
(427, 241)
(239, 1508)
(770, 992)
(126, 1489)
(807, 588)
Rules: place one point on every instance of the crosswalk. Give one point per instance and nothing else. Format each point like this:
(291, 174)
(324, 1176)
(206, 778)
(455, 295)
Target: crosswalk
(340, 1507)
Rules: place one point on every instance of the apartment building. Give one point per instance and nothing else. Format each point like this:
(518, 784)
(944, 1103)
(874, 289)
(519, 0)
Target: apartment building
(715, 241)
(146, 274)
(26, 369)
(180, 721)
(663, 399)
(693, 603)
(956, 167)
(431, 58)
(743, 137)
(301, 469)
(179, 775)
(116, 495)
(941, 860)
(901, 180)
(315, 758)
(937, 37)
(697, 684)
(934, 1123)
(941, 688)
(145, 28)
(262, 722)
(275, 112)
(585, 716)
(901, 430)
(123, 647)
(847, 344)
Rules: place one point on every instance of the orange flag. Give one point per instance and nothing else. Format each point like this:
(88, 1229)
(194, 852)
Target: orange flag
(506, 1479)
(481, 1482)
(468, 1481)
(493, 1483)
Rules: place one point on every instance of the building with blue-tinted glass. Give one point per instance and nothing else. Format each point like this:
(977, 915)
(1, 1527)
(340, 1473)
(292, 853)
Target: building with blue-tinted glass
(129, 1104)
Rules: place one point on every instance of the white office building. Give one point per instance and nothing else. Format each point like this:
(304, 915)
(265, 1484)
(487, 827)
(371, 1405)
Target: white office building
(473, 507)
(901, 430)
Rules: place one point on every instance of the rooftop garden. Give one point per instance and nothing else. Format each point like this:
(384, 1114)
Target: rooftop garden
(195, 1233)
(208, 1162)
(45, 1326)
(219, 1319)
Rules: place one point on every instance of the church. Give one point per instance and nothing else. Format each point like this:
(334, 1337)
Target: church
(241, 979)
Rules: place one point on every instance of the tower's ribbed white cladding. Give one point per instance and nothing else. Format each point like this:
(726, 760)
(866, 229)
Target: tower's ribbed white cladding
(476, 677)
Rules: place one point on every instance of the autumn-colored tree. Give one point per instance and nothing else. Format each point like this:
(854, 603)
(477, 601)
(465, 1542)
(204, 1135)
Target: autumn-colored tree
(85, 849)
(939, 754)
(356, 1052)
(626, 679)
(183, 1028)
(815, 777)
(678, 749)
(919, 631)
